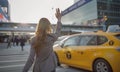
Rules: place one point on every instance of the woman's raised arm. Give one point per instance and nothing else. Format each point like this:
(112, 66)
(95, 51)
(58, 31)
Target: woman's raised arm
(59, 24)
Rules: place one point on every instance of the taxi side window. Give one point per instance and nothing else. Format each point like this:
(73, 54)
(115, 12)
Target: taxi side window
(101, 40)
(72, 41)
(87, 40)
(92, 41)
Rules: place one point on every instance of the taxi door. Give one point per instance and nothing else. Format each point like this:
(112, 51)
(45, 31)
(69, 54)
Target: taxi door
(83, 52)
(61, 54)
(69, 45)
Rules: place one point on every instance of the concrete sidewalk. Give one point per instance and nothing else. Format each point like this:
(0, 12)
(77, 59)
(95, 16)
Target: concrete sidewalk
(14, 50)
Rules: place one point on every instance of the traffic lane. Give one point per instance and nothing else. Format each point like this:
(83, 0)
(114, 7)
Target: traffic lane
(13, 57)
(66, 68)
(19, 68)
(16, 64)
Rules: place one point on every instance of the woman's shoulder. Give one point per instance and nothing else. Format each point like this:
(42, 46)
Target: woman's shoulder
(52, 36)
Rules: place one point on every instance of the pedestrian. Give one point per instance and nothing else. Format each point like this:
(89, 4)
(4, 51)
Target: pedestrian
(9, 40)
(22, 43)
(17, 40)
(13, 40)
(41, 52)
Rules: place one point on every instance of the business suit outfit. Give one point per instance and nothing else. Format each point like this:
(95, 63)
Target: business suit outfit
(45, 61)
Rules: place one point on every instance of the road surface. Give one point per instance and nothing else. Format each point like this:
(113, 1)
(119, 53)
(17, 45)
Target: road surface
(13, 60)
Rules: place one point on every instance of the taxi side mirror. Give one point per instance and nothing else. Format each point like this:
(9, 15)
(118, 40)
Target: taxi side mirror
(61, 45)
(66, 45)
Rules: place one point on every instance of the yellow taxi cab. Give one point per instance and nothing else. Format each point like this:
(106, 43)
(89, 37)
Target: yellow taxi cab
(94, 51)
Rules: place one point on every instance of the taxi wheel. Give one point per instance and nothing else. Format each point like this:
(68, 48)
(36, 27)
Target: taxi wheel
(101, 65)
(58, 64)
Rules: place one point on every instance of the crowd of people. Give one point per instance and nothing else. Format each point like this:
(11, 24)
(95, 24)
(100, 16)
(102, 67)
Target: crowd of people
(17, 41)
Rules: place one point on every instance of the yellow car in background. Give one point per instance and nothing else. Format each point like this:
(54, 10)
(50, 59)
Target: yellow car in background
(94, 51)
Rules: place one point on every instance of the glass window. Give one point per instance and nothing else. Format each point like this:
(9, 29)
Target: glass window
(87, 40)
(92, 41)
(101, 40)
(72, 41)
(60, 39)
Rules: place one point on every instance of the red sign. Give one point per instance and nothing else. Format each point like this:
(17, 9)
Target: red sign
(1, 16)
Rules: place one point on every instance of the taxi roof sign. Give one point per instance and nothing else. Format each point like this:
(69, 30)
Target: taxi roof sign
(113, 28)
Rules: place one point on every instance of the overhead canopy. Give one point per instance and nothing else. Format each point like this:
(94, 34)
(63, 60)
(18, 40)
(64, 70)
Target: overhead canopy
(4, 3)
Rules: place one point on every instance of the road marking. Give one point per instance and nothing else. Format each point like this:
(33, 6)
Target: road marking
(12, 61)
(12, 66)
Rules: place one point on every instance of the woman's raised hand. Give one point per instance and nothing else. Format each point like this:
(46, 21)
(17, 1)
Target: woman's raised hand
(58, 14)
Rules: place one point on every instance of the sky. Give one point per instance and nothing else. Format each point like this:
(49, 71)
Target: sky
(30, 11)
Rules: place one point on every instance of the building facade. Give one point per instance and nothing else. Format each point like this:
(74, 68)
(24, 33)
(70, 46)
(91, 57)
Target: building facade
(92, 12)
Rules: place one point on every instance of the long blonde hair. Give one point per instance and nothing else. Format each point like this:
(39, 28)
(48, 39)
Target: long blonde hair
(43, 28)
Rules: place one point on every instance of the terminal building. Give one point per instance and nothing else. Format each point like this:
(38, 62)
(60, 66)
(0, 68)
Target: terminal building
(83, 15)
(92, 12)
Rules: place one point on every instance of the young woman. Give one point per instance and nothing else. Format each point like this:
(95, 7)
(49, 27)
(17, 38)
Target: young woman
(41, 52)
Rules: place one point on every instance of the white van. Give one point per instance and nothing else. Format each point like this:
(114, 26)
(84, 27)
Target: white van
(113, 28)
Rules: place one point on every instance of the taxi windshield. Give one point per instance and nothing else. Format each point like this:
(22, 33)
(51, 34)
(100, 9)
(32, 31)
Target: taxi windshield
(60, 39)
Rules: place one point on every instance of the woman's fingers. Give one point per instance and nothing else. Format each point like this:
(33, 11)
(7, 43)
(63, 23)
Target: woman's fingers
(57, 10)
(58, 14)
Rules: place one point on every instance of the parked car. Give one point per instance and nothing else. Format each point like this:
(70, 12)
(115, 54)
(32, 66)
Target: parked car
(113, 28)
(94, 51)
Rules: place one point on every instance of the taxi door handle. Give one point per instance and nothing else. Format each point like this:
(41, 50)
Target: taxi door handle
(65, 52)
(78, 51)
(81, 52)
(93, 50)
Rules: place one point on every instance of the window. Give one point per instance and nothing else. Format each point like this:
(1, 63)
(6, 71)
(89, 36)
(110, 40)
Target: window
(72, 41)
(87, 40)
(92, 40)
(101, 40)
